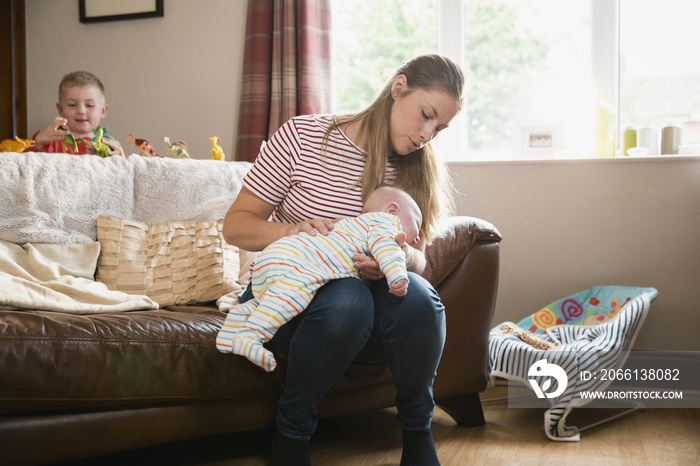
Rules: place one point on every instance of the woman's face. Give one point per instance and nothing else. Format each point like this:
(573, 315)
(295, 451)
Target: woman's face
(418, 115)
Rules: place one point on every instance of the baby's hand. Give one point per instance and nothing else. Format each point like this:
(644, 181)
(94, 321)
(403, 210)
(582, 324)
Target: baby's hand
(51, 133)
(399, 287)
(400, 239)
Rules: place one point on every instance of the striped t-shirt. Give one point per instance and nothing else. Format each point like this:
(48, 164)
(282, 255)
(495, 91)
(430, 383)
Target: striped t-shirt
(306, 180)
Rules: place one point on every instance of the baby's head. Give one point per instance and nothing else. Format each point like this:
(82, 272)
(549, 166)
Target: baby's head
(397, 202)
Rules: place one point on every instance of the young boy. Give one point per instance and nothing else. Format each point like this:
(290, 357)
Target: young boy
(81, 104)
(288, 272)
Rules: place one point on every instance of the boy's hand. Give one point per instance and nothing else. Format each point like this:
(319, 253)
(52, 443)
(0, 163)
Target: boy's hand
(115, 146)
(399, 287)
(51, 133)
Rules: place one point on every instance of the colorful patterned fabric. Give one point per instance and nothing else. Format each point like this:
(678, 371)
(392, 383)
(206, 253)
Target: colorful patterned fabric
(286, 68)
(590, 307)
(287, 274)
(597, 326)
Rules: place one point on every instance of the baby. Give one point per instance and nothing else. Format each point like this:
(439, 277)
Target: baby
(287, 273)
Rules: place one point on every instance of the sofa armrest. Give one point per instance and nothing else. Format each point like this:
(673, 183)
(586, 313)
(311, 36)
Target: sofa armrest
(455, 237)
(463, 266)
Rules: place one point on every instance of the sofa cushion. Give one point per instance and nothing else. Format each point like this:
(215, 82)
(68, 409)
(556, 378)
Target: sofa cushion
(54, 361)
(170, 262)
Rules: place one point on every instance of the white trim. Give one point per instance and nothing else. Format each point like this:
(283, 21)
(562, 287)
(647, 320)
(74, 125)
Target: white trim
(451, 32)
(600, 160)
(605, 54)
(451, 43)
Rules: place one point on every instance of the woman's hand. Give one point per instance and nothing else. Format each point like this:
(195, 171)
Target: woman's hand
(312, 227)
(369, 268)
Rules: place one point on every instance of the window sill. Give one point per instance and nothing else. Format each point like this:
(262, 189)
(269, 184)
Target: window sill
(560, 160)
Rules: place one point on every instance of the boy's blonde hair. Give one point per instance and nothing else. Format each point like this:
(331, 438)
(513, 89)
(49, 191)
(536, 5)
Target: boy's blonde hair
(79, 79)
(421, 174)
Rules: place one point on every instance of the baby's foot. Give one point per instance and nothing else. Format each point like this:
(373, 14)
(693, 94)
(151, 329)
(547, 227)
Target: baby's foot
(254, 350)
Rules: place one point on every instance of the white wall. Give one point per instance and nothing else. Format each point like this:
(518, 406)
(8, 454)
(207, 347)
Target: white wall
(177, 76)
(570, 225)
(567, 225)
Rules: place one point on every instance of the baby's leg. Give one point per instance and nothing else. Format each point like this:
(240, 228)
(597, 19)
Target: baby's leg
(236, 317)
(249, 343)
(235, 338)
(281, 303)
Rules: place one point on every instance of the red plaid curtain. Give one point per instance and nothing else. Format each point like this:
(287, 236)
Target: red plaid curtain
(286, 69)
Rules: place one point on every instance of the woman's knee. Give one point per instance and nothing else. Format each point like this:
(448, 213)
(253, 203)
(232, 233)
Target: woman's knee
(420, 308)
(343, 305)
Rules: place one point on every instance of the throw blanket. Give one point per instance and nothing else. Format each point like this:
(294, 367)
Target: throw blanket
(54, 277)
(574, 342)
(56, 198)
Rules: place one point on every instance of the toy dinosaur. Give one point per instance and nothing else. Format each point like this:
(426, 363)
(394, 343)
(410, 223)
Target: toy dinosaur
(69, 140)
(96, 143)
(217, 153)
(17, 145)
(177, 149)
(145, 148)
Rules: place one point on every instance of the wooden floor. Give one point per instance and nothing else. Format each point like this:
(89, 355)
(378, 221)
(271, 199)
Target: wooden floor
(510, 437)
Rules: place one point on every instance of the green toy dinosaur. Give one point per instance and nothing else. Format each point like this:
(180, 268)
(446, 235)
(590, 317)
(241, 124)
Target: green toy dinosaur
(96, 143)
(69, 140)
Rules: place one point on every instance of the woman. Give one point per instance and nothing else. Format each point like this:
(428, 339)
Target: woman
(317, 168)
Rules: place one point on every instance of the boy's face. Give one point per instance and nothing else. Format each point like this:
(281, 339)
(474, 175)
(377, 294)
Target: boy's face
(84, 108)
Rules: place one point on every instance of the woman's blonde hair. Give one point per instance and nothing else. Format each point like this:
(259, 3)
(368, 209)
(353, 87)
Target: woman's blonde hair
(419, 173)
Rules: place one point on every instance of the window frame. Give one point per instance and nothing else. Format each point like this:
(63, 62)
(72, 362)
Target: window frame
(605, 60)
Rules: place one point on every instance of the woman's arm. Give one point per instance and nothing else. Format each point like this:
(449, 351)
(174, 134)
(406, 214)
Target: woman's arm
(246, 223)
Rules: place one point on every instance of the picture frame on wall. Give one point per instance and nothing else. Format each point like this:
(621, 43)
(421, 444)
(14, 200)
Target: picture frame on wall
(539, 140)
(93, 11)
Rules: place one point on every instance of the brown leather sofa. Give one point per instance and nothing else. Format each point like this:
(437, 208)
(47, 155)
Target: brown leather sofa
(74, 386)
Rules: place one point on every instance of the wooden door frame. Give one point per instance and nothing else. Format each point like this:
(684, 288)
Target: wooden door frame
(13, 114)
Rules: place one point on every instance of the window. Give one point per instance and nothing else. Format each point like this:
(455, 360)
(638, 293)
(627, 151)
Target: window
(659, 66)
(371, 39)
(546, 78)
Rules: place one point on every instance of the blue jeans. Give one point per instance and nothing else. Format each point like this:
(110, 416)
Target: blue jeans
(348, 321)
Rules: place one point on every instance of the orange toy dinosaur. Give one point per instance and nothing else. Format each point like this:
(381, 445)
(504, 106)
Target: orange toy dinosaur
(145, 148)
(15, 145)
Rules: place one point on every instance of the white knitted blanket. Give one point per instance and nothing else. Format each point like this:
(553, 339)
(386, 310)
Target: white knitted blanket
(56, 198)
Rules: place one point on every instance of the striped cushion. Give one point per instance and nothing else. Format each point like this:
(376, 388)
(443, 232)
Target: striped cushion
(170, 262)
